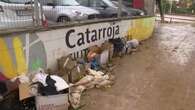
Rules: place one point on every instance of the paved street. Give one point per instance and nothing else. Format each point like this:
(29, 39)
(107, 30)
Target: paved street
(160, 76)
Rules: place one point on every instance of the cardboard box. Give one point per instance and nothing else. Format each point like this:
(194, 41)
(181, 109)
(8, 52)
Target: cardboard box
(24, 91)
(53, 102)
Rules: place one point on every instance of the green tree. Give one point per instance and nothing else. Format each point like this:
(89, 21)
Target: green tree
(165, 6)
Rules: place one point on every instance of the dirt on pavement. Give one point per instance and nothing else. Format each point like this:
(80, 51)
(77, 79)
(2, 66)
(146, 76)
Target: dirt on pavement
(160, 76)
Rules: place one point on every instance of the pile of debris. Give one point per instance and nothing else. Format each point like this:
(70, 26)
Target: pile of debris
(92, 79)
(63, 88)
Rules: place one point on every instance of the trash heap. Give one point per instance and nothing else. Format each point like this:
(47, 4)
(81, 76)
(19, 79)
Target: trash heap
(58, 90)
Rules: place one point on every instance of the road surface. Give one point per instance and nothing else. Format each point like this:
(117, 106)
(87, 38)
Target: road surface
(160, 76)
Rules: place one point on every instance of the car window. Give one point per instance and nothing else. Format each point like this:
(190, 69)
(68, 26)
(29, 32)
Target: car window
(109, 3)
(45, 2)
(66, 2)
(4, 0)
(16, 1)
(59, 2)
(83, 2)
(116, 4)
(97, 3)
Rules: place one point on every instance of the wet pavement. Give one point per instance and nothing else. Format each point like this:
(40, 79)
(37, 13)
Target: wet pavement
(160, 76)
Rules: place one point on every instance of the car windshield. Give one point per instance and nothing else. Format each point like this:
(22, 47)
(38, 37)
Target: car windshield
(67, 2)
(117, 4)
(109, 3)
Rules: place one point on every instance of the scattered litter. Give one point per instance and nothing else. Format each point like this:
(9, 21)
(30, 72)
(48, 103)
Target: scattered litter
(50, 90)
(40, 76)
(131, 46)
(93, 79)
(134, 43)
(22, 78)
(93, 57)
(25, 91)
(75, 96)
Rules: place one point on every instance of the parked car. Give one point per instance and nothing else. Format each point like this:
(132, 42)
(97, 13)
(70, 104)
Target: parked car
(127, 3)
(105, 7)
(9, 19)
(66, 10)
(17, 6)
(17, 13)
(131, 11)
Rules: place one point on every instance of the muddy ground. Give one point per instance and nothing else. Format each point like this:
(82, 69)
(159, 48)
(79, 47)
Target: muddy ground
(160, 76)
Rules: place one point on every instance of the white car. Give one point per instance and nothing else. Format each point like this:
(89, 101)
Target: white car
(67, 10)
(9, 19)
(17, 6)
(17, 13)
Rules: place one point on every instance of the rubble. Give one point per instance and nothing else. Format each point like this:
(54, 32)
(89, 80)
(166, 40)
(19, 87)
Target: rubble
(73, 76)
(92, 79)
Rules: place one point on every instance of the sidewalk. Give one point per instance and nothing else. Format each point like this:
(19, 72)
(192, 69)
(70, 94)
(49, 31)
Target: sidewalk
(177, 18)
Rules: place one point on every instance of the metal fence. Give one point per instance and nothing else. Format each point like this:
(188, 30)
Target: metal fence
(27, 14)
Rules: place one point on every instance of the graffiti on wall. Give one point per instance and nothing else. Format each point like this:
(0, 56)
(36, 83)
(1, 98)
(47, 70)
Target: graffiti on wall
(22, 53)
(141, 28)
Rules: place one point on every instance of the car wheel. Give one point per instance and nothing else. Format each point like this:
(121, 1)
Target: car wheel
(63, 19)
(114, 16)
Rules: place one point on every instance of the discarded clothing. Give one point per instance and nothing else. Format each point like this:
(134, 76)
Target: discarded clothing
(132, 43)
(2, 77)
(50, 89)
(95, 65)
(118, 44)
(41, 77)
(3, 88)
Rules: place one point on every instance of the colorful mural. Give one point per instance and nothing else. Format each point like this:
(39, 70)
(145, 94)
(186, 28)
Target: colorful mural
(141, 28)
(6, 62)
(26, 52)
(15, 55)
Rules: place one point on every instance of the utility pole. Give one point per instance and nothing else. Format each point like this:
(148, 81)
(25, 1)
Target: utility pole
(119, 8)
(171, 6)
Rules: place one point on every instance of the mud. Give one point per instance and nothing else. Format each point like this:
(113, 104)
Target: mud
(160, 76)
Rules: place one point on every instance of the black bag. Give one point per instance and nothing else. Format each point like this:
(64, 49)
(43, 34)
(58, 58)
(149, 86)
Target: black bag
(118, 44)
(50, 89)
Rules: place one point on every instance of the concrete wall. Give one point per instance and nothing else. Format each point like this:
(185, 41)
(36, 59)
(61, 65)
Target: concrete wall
(21, 53)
